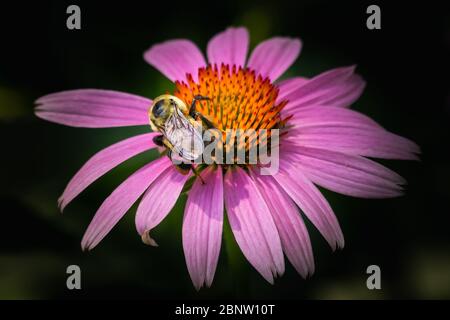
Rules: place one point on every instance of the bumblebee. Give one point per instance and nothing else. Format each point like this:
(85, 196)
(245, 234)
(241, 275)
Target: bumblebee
(180, 128)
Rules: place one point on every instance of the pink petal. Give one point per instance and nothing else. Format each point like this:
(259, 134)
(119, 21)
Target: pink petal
(93, 108)
(293, 233)
(311, 202)
(337, 87)
(252, 224)
(175, 58)
(347, 93)
(102, 162)
(120, 200)
(202, 227)
(322, 116)
(347, 174)
(229, 47)
(353, 138)
(159, 199)
(273, 57)
(288, 86)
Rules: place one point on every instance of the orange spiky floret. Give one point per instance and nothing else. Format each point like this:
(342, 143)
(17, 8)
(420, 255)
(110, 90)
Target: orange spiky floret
(239, 99)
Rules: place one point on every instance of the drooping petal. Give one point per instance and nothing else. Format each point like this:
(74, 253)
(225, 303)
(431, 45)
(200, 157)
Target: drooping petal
(288, 86)
(202, 227)
(159, 199)
(338, 87)
(175, 58)
(252, 224)
(271, 58)
(311, 202)
(293, 233)
(229, 47)
(102, 162)
(120, 200)
(93, 108)
(353, 138)
(347, 174)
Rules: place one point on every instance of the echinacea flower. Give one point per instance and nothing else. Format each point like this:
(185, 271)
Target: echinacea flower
(323, 143)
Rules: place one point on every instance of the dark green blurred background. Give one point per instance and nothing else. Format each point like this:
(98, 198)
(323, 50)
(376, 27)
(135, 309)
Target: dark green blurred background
(406, 67)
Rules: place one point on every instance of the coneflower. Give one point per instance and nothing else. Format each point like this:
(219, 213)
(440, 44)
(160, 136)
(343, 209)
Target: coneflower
(322, 142)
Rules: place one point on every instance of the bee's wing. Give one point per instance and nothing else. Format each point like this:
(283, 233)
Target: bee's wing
(187, 141)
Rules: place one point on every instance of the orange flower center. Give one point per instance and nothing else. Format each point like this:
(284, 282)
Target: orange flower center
(239, 101)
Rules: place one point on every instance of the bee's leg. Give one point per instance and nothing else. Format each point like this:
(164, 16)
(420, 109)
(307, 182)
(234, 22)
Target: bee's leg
(194, 170)
(206, 121)
(192, 111)
(195, 114)
(162, 141)
(167, 144)
(158, 140)
(184, 168)
(170, 155)
(209, 124)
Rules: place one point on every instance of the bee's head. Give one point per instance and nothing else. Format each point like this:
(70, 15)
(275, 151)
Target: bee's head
(164, 105)
(160, 108)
